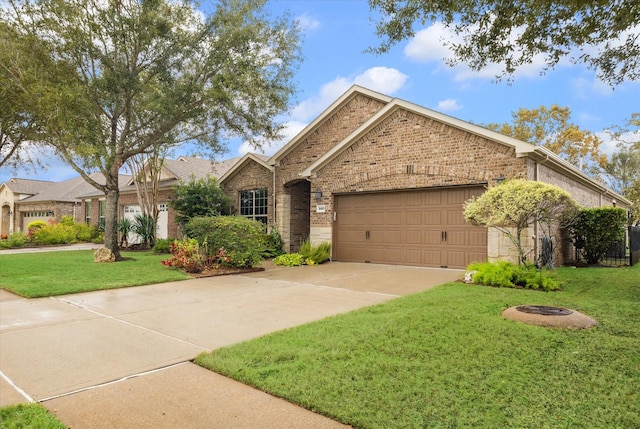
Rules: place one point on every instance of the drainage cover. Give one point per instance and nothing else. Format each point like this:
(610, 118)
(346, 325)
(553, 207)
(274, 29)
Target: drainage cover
(544, 310)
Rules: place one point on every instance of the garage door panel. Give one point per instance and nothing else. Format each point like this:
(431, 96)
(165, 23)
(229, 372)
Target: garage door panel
(413, 236)
(455, 259)
(433, 218)
(394, 217)
(432, 238)
(477, 238)
(456, 238)
(431, 257)
(431, 199)
(424, 227)
(413, 217)
(394, 236)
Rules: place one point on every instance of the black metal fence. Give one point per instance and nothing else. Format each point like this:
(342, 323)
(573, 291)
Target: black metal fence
(625, 252)
(634, 245)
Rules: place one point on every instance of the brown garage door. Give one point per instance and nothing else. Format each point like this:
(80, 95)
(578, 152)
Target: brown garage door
(423, 228)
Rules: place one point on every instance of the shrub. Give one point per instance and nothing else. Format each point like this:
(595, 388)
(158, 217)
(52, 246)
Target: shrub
(67, 220)
(144, 225)
(163, 245)
(17, 239)
(595, 230)
(241, 239)
(318, 254)
(54, 233)
(507, 274)
(185, 254)
(273, 243)
(85, 232)
(289, 260)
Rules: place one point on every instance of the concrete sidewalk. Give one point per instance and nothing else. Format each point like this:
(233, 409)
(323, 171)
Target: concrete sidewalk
(121, 358)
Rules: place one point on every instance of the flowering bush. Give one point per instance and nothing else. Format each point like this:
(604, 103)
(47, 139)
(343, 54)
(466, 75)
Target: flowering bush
(185, 254)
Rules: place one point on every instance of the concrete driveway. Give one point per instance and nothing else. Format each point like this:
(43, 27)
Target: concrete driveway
(121, 358)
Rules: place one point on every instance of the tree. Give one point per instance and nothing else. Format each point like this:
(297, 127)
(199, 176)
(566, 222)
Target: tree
(515, 205)
(18, 127)
(551, 127)
(147, 172)
(595, 230)
(600, 34)
(147, 74)
(199, 198)
(623, 171)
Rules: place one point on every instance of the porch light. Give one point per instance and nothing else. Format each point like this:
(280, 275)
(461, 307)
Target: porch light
(318, 194)
(499, 179)
(50, 213)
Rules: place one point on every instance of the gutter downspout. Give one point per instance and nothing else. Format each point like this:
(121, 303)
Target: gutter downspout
(536, 173)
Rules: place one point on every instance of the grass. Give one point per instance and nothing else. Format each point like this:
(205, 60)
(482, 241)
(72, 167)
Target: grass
(28, 416)
(58, 273)
(446, 359)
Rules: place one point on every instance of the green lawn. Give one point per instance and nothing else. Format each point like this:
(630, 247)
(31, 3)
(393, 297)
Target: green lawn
(25, 416)
(445, 358)
(57, 273)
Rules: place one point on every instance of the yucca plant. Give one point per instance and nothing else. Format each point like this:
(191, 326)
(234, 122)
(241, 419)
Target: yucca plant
(144, 225)
(124, 228)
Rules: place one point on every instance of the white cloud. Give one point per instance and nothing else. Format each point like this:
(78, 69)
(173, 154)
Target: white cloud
(584, 88)
(308, 23)
(382, 79)
(609, 145)
(449, 105)
(430, 45)
(291, 129)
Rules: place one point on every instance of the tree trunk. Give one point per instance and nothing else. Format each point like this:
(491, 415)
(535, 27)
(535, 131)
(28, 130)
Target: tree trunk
(111, 222)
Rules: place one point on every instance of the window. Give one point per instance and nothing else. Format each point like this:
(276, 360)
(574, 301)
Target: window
(103, 211)
(87, 212)
(253, 204)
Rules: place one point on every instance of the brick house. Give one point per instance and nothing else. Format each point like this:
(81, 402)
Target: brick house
(384, 180)
(23, 201)
(173, 172)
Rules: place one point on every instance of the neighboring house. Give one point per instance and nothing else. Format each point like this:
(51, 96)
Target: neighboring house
(52, 200)
(11, 194)
(184, 169)
(384, 180)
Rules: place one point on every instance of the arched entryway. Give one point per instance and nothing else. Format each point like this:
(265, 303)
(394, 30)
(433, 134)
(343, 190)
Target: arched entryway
(5, 222)
(295, 210)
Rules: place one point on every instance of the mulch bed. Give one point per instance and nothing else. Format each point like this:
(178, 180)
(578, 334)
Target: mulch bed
(223, 271)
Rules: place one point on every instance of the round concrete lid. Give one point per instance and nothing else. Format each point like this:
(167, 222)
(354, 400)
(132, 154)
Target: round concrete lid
(574, 320)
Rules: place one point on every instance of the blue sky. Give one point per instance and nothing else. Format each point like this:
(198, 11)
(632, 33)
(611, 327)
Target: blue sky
(336, 34)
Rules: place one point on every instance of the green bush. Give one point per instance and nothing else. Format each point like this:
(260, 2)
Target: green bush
(85, 232)
(17, 239)
(233, 241)
(318, 254)
(185, 254)
(36, 224)
(54, 233)
(595, 230)
(144, 226)
(67, 220)
(273, 243)
(163, 245)
(289, 260)
(507, 274)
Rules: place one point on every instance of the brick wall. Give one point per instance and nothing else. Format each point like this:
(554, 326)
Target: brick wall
(250, 176)
(407, 151)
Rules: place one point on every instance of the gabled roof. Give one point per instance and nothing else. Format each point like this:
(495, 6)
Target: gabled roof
(69, 190)
(343, 99)
(521, 148)
(27, 186)
(187, 167)
(396, 104)
(248, 157)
